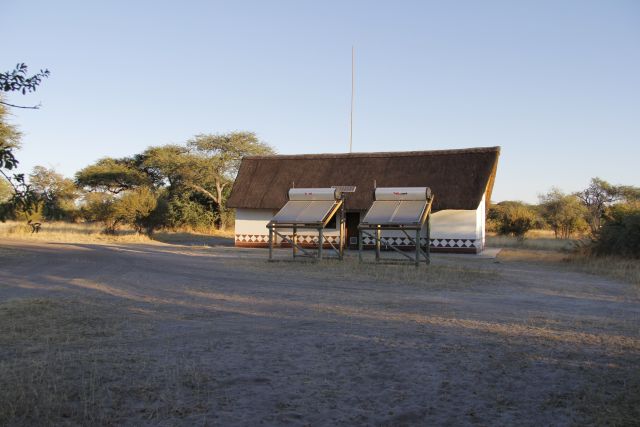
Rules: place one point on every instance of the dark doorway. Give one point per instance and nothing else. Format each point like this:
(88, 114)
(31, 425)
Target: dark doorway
(353, 219)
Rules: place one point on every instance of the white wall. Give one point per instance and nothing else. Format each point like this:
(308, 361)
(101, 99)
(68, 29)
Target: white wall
(447, 224)
(253, 221)
(454, 224)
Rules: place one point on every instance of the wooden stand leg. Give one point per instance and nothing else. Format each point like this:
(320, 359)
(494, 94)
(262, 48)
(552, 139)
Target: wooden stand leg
(428, 246)
(295, 241)
(418, 247)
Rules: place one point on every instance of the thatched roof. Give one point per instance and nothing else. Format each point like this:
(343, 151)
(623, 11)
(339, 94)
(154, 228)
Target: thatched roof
(458, 178)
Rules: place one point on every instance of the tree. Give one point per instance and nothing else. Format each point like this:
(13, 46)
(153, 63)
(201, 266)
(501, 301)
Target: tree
(113, 176)
(133, 207)
(225, 152)
(596, 198)
(512, 218)
(195, 177)
(16, 80)
(563, 212)
(629, 193)
(57, 193)
(23, 198)
(620, 234)
(5, 191)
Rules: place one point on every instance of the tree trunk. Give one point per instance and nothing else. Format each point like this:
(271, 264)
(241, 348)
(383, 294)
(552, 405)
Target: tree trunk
(221, 207)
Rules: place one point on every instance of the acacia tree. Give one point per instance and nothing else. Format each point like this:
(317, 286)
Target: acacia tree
(224, 152)
(17, 80)
(563, 212)
(113, 176)
(596, 198)
(195, 178)
(56, 193)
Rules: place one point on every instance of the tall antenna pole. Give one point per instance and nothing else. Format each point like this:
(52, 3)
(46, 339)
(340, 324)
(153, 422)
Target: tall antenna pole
(351, 117)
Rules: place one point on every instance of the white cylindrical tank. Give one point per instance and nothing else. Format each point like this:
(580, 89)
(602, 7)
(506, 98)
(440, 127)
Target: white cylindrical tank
(403, 193)
(312, 194)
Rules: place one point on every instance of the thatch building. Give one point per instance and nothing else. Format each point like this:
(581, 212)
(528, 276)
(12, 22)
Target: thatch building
(461, 180)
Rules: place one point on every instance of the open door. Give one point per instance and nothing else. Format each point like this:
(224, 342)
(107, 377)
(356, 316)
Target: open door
(353, 219)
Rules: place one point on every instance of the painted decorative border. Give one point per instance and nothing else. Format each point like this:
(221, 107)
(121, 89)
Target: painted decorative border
(437, 245)
(302, 238)
(434, 243)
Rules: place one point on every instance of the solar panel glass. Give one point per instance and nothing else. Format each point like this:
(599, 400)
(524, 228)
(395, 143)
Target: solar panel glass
(304, 211)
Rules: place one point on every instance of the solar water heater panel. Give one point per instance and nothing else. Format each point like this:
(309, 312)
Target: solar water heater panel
(304, 211)
(395, 212)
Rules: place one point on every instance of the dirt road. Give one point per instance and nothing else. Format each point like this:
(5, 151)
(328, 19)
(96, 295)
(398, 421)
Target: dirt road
(216, 336)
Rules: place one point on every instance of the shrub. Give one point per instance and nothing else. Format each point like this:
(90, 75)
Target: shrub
(182, 212)
(620, 235)
(137, 208)
(99, 207)
(512, 218)
(564, 213)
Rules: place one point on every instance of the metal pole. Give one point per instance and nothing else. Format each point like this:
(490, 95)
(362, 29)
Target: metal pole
(351, 115)
(428, 249)
(295, 241)
(321, 242)
(418, 247)
(342, 236)
(378, 237)
(270, 243)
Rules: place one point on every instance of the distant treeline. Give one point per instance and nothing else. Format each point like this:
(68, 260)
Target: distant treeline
(169, 186)
(607, 215)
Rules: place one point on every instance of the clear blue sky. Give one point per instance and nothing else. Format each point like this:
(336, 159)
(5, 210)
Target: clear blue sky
(555, 83)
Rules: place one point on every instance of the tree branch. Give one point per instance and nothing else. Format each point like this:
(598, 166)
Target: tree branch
(205, 192)
(35, 107)
(9, 181)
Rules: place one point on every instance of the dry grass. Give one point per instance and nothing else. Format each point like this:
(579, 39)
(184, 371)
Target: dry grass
(58, 231)
(531, 255)
(449, 276)
(73, 363)
(535, 240)
(624, 269)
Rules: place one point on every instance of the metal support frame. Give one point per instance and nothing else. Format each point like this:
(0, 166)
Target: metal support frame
(376, 235)
(320, 227)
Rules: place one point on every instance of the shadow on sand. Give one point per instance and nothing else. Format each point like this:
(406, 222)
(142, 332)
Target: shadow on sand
(192, 239)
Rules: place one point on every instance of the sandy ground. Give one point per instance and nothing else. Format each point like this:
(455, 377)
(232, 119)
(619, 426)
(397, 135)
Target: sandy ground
(525, 344)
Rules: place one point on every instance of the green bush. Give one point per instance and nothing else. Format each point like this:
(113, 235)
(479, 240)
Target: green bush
(564, 213)
(184, 212)
(512, 219)
(135, 208)
(620, 235)
(138, 208)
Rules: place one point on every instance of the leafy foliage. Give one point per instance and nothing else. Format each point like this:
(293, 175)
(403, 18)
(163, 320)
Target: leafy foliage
(596, 197)
(225, 152)
(512, 218)
(134, 207)
(196, 176)
(24, 198)
(113, 176)
(620, 235)
(563, 213)
(17, 80)
(56, 193)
